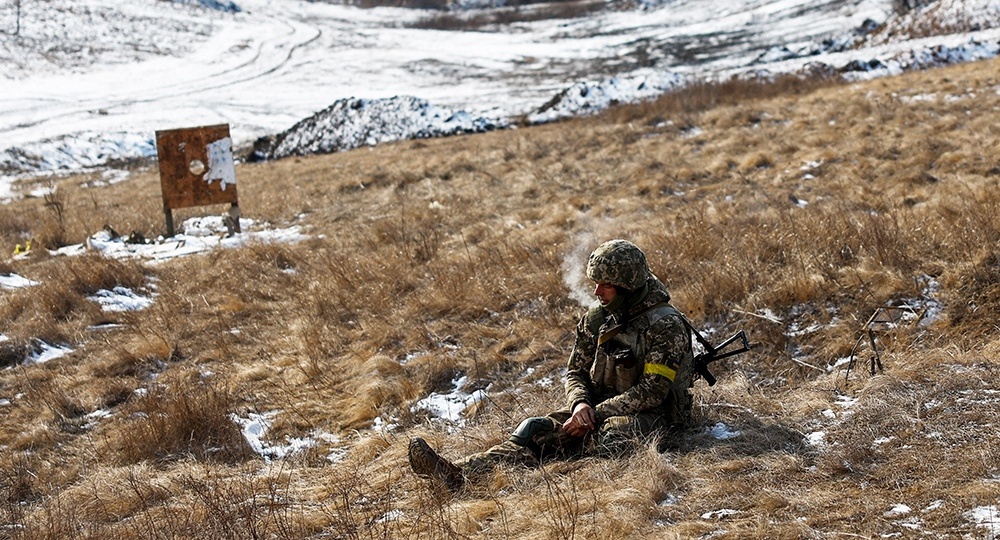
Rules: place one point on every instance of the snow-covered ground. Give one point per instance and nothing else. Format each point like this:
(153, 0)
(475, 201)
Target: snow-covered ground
(198, 235)
(83, 83)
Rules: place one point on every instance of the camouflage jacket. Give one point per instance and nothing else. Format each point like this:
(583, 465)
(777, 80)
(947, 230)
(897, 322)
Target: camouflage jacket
(645, 364)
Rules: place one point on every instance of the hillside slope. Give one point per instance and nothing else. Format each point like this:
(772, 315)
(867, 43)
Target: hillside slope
(269, 388)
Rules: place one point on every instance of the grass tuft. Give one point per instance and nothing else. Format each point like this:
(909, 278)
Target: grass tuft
(174, 423)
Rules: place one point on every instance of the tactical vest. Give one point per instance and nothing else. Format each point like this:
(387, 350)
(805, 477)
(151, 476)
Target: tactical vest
(618, 365)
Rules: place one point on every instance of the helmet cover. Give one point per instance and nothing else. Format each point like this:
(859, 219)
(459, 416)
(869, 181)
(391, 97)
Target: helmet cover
(620, 263)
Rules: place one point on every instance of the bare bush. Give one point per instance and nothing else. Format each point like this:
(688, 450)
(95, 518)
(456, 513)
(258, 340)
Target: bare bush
(174, 423)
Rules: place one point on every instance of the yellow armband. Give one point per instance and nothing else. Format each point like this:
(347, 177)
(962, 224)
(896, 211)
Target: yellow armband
(661, 370)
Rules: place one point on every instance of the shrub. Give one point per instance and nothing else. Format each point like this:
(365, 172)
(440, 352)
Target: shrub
(174, 422)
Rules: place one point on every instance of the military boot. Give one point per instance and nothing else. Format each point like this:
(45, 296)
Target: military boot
(426, 463)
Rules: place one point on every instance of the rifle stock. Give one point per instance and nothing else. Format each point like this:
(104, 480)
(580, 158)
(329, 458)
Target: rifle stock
(713, 353)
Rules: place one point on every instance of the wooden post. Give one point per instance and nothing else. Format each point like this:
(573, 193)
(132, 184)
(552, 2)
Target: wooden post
(170, 220)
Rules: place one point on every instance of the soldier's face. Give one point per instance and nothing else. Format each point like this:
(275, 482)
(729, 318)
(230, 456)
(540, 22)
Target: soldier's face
(605, 292)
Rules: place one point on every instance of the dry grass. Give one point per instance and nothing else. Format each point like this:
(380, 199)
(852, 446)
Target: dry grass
(792, 211)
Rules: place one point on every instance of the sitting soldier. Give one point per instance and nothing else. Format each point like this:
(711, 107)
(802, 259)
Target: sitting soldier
(629, 376)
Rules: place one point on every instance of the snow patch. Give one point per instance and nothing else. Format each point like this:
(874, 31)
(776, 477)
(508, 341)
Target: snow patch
(721, 513)
(722, 432)
(670, 500)
(985, 517)
(591, 97)
(816, 438)
(120, 299)
(381, 425)
(846, 401)
(897, 510)
(42, 352)
(94, 417)
(391, 515)
(255, 427)
(934, 505)
(14, 281)
(451, 406)
(200, 234)
(843, 361)
(76, 153)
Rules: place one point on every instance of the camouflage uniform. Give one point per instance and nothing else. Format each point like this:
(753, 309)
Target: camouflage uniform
(632, 362)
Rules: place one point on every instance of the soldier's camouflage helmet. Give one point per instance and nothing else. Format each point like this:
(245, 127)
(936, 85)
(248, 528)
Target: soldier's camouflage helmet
(620, 263)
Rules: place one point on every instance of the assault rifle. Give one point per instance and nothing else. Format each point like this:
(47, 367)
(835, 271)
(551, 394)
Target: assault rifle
(713, 353)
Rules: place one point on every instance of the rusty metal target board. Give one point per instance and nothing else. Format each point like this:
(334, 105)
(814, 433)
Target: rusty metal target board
(196, 169)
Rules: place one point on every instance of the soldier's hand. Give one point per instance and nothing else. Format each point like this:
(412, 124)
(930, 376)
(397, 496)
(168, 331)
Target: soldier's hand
(582, 422)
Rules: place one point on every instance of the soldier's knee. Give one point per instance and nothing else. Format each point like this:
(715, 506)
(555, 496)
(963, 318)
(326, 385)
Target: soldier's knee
(527, 433)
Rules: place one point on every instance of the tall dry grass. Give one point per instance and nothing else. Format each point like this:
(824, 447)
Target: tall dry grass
(792, 211)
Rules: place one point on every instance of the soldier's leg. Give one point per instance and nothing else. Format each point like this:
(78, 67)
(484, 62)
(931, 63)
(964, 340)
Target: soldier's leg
(426, 463)
(549, 439)
(505, 452)
(534, 439)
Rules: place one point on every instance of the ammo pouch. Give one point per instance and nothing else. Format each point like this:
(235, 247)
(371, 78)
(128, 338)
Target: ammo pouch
(621, 355)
